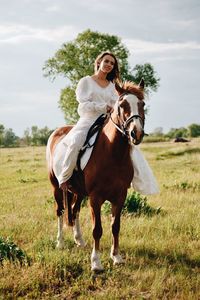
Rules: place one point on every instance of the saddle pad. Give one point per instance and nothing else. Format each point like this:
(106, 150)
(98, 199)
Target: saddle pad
(86, 156)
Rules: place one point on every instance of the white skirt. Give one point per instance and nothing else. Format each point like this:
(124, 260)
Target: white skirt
(66, 154)
(143, 181)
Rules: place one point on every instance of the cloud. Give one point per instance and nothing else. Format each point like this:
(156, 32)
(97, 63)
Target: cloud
(142, 46)
(53, 8)
(103, 5)
(17, 33)
(183, 24)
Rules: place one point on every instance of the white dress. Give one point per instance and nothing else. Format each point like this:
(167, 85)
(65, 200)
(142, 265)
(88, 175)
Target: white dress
(93, 100)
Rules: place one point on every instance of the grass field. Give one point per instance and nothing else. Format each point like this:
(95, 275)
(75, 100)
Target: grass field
(161, 252)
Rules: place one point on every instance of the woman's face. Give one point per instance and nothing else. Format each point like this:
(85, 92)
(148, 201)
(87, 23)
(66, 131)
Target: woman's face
(107, 64)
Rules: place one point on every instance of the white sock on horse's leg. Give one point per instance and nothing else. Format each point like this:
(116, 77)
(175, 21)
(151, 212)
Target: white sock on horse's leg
(95, 261)
(117, 258)
(60, 240)
(77, 232)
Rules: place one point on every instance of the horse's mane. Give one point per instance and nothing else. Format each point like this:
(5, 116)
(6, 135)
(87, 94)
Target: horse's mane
(133, 89)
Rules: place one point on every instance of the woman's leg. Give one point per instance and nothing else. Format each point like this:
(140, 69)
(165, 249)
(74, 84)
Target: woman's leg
(66, 152)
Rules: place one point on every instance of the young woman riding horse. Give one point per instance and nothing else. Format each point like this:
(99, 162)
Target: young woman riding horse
(112, 166)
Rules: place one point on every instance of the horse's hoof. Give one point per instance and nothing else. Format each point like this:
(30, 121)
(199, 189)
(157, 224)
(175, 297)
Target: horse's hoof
(97, 267)
(117, 259)
(60, 245)
(80, 243)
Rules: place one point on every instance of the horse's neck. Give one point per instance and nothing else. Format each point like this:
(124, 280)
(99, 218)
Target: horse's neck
(118, 144)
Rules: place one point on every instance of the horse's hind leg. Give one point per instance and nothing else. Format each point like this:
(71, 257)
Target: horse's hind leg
(76, 227)
(116, 213)
(58, 194)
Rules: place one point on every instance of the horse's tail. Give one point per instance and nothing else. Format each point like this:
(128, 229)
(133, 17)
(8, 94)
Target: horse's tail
(67, 200)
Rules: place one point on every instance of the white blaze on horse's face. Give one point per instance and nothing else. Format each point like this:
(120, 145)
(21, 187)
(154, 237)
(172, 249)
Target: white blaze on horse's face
(135, 127)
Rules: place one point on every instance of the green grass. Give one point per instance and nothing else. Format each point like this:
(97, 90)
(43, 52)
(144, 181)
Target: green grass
(161, 251)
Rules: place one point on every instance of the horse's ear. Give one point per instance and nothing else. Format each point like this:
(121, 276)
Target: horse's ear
(141, 84)
(118, 88)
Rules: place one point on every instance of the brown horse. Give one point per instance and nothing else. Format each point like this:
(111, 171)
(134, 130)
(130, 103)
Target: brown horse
(108, 173)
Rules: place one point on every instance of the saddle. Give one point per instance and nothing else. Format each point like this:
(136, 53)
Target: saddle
(91, 139)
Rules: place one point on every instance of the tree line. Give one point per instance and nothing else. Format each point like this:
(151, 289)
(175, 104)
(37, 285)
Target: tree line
(191, 131)
(35, 136)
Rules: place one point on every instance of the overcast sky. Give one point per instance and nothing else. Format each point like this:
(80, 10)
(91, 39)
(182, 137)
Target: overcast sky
(164, 33)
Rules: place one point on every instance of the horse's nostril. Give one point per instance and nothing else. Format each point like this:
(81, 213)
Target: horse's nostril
(133, 134)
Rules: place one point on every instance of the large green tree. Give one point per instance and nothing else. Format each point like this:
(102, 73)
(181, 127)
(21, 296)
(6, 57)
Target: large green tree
(75, 59)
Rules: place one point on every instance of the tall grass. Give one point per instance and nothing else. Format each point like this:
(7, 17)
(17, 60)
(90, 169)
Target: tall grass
(161, 251)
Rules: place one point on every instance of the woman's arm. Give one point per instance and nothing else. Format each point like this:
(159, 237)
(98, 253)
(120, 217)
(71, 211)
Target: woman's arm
(86, 102)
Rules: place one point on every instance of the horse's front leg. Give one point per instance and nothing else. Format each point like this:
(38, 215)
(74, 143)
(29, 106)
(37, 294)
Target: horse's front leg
(60, 240)
(116, 213)
(97, 233)
(78, 239)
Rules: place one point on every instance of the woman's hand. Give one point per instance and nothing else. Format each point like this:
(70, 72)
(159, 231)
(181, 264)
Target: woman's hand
(109, 109)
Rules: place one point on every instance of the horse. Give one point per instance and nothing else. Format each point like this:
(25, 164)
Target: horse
(107, 175)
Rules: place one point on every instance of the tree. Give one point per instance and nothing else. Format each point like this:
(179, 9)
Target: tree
(37, 136)
(27, 137)
(34, 135)
(10, 139)
(2, 128)
(76, 59)
(44, 134)
(177, 132)
(146, 72)
(158, 132)
(194, 130)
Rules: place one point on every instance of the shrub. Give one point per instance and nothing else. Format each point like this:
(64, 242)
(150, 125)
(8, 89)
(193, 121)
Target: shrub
(10, 251)
(134, 204)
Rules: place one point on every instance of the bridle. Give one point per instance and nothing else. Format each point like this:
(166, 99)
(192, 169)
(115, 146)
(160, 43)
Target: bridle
(122, 125)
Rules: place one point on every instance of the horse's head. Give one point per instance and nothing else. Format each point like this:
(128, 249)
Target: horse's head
(130, 111)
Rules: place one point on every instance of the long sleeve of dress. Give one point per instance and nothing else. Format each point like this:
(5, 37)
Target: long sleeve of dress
(88, 104)
(113, 97)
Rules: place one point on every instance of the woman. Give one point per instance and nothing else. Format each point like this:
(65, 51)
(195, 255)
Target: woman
(96, 95)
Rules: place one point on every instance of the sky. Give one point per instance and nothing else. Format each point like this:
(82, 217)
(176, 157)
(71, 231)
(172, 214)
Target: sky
(165, 33)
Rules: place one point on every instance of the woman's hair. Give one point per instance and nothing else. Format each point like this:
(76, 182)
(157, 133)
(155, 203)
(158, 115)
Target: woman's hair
(114, 74)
